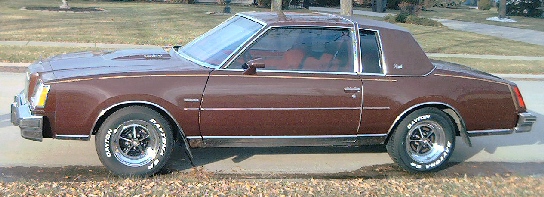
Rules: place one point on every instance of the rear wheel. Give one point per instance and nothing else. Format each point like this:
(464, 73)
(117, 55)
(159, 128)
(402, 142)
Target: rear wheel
(134, 141)
(423, 141)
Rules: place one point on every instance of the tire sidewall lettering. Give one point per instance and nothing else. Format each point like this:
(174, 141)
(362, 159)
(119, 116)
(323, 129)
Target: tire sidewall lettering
(163, 145)
(427, 166)
(418, 119)
(399, 147)
(107, 142)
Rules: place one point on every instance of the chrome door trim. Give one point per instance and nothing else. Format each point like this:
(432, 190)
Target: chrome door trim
(73, 137)
(376, 108)
(490, 132)
(286, 141)
(272, 109)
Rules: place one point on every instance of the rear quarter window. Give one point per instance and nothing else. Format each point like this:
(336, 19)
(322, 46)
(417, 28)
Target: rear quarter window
(370, 52)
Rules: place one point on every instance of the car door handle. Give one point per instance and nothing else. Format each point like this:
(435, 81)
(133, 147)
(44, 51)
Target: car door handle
(352, 90)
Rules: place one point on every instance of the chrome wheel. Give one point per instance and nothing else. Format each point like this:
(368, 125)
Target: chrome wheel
(135, 143)
(426, 141)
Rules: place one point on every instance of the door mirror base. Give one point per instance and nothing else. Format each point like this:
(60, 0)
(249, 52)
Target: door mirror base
(252, 65)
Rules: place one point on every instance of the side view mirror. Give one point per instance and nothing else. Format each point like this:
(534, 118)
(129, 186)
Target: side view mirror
(252, 65)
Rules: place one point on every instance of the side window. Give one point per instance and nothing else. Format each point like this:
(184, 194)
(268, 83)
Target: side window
(302, 49)
(370, 52)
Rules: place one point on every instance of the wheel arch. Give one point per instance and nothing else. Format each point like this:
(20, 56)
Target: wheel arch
(178, 133)
(454, 115)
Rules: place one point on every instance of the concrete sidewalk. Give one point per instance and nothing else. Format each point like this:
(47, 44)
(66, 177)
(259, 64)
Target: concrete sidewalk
(522, 35)
(355, 12)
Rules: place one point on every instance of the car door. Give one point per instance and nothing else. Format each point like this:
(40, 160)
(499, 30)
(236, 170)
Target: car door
(307, 90)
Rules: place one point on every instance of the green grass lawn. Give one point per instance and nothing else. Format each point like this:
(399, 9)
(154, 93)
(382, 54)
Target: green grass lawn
(500, 66)
(122, 22)
(163, 24)
(26, 54)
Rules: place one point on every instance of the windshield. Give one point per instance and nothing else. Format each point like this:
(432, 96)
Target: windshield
(219, 43)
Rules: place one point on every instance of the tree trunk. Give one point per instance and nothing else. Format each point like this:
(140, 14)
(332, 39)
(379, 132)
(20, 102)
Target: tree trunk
(502, 9)
(64, 5)
(347, 7)
(275, 5)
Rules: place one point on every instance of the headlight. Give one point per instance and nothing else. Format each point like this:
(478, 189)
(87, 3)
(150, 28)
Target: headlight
(40, 95)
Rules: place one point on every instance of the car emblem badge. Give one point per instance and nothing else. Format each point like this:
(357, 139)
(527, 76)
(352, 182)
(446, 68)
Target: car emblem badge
(397, 66)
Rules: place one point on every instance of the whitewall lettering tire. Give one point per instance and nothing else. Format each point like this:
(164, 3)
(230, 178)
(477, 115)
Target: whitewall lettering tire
(134, 141)
(423, 141)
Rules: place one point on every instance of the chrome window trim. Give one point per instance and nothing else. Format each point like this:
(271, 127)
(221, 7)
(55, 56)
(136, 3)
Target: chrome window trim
(205, 64)
(251, 18)
(339, 16)
(380, 49)
(356, 47)
(294, 71)
(264, 30)
(201, 63)
(241, 50)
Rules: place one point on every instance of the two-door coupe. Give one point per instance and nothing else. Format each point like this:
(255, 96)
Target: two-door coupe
(263, 80)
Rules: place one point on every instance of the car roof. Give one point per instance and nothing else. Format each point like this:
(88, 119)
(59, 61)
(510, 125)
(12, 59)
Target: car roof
(316, 18)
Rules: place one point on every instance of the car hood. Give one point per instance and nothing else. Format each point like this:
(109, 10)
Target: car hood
(443, 66)
(85, 64)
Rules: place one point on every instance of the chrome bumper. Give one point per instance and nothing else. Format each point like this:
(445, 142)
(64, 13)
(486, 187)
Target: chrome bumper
(525, 124)
(31, 126)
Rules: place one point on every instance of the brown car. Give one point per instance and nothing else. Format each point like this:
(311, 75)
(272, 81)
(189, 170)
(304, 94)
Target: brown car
(265, 80)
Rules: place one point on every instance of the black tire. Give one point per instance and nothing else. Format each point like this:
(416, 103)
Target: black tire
(134, 141)
(423, 141)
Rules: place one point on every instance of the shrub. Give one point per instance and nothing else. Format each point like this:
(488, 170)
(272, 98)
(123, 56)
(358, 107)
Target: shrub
(327, 3)
(409, 8)
(429, 4)
(524, 8)
(268, 3)
(484, 5)
(411, 19)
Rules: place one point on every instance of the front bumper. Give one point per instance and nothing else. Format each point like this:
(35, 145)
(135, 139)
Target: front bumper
(31, 126)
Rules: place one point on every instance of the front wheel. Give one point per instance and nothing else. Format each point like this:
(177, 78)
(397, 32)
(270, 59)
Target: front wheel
(134, 141)
(423, 141)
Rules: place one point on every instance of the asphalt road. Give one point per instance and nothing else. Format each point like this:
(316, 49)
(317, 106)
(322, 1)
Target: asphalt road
(516, 148)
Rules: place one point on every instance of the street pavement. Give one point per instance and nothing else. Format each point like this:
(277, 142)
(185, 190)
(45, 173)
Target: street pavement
(515, 148)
